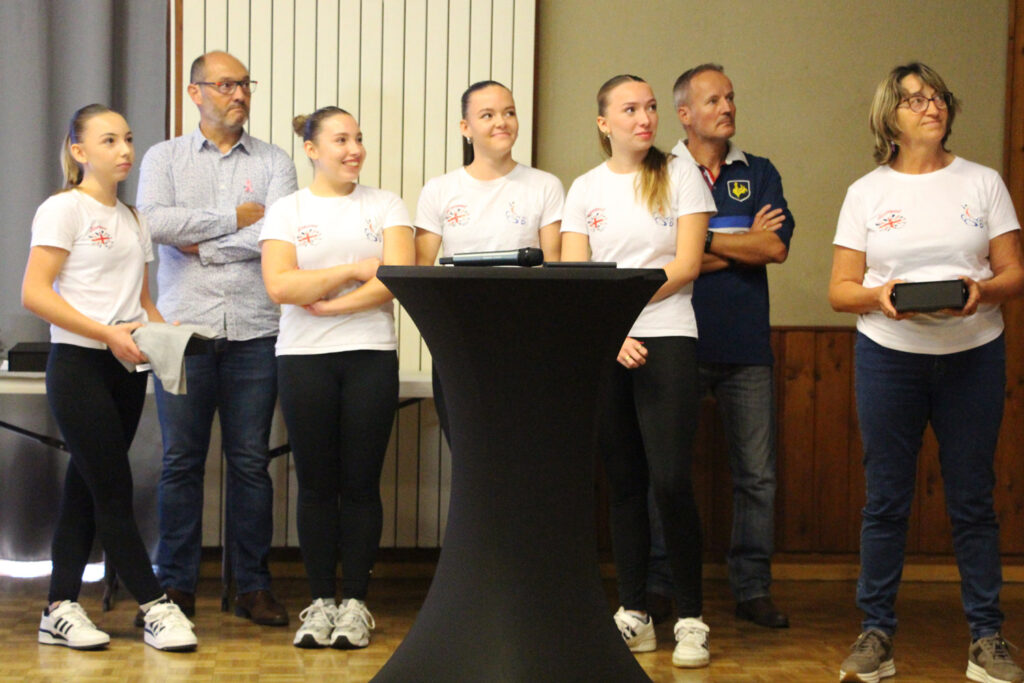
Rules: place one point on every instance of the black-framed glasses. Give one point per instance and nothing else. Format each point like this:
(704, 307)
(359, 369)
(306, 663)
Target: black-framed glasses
(228, 87)
(919, 103)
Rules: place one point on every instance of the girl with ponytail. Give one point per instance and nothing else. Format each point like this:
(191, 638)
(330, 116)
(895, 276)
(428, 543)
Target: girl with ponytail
(87, 275)
(643, 210)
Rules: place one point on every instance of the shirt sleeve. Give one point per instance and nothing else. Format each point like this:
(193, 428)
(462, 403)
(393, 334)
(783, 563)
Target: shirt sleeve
(169, 224)
(691, 192)
(770, 192)
(145, 237)
(243, 245)
(56, 224)
(279, 221)
(554, 201)
(850, 231)
(574, 215)
(428, 211)
(1001, 216)
(395, 212)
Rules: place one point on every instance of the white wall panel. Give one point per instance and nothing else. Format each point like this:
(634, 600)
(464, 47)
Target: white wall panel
(400, 66)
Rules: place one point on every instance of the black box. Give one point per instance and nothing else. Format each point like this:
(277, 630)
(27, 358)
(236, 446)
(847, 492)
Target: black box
(925, 297)
(28, 357)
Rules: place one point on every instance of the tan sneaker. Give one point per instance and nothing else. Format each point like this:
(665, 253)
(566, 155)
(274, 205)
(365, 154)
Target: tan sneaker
(870, 659)
(989, 661)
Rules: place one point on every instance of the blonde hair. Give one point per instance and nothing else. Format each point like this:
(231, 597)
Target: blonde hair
(652, 183)
(73, 171)
(888, 96)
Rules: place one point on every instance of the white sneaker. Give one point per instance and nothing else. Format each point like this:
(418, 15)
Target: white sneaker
(352, 626)
(638, 634)
(167, 628)
(69, 625)
(317, 625)
(692, 649)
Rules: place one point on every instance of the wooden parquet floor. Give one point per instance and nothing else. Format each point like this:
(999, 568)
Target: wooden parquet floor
(930, 648)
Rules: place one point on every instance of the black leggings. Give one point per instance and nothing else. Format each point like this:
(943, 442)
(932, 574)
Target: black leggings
(339, 408)
(97, 405)
(648, 425)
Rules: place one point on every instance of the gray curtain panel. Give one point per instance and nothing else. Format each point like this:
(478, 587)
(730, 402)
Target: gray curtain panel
(56, 56)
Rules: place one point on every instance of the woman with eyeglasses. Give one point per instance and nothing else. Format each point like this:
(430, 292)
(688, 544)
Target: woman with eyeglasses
(643, 210)
(337, 365)
(491, 203)
(87, 276)
(926, 215)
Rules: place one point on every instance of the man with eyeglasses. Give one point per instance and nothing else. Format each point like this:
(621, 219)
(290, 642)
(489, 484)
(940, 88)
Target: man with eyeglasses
(204, 195)
(752, 228)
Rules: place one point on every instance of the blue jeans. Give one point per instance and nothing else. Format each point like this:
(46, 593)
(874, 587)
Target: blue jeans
(961, 395)
(238, 380)
(746, 403)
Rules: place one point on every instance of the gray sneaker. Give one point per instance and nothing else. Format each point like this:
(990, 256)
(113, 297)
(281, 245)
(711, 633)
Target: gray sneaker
(989, 661)
(870, 659)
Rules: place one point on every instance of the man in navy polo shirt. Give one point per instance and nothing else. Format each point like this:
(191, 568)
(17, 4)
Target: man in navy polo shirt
(753, 228)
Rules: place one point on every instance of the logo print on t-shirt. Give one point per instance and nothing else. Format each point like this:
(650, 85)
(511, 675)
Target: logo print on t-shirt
(457, 215)
(739, 190)
(372, 230)
(99, 236)
(595, 220)
(513, 217)
(970, 220)
(889, 220)
(308, 235)
(664, 221)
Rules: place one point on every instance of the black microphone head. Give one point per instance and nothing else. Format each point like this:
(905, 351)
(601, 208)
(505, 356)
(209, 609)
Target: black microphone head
(531, 256)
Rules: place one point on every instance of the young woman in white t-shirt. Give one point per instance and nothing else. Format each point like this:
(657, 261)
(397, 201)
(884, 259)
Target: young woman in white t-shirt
(923, 215)
(642, 210)
(337, 364)
(492, 203)
(87, 276)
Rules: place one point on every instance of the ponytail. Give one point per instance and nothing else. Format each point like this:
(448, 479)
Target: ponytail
(73, 172)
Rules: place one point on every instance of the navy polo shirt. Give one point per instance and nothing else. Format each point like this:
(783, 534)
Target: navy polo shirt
(731, 304)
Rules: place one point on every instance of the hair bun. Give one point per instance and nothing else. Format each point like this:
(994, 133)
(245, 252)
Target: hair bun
(299, 124)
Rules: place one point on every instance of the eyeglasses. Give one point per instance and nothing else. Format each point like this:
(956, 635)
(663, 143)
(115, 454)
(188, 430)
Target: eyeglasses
(228, 87)
(919, 103)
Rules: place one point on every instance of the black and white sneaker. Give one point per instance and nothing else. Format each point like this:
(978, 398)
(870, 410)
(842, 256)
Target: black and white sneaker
(167, 628)
(353, 625)
(69, 625)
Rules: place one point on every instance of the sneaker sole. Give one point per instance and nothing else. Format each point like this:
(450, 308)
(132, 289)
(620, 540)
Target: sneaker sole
(691, 663)
(343, 643)
(978, 673)
(886, 670)
(185, 646)
(644, 646)
(309, 642)
(47, 638)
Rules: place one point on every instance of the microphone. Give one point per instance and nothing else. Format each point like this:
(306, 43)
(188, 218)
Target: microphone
(527, 256)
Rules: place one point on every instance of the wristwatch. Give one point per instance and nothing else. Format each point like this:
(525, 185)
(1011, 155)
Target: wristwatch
(707, 242)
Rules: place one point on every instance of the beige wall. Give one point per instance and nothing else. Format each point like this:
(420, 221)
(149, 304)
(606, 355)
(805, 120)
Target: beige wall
(804, 72)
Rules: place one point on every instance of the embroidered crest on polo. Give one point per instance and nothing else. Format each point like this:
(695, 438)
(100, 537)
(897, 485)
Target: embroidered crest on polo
(513, 217)
(970, 220)
(739, 190)
(308, 235)
(889, 220)
(596, 219)
(372, 230)
(456, 216)
(99, 236)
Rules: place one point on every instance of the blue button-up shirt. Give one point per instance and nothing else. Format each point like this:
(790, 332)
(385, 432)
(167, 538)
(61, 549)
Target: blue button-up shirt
(188, 191)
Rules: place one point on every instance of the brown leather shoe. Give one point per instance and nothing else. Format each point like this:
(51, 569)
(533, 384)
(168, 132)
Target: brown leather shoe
(763, 612)
(186, 601)
(261, 607)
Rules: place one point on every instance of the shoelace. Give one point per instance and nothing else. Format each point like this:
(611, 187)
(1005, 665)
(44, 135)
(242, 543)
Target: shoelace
(868, 642)
(1000, 648)
(316, 612)
(75, 614)
(692, 634)
(168, 615)
(353, 610)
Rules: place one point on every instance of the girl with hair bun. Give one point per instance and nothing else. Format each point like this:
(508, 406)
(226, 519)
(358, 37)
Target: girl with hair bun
(642, 211)
(337, 365)
(87, 276)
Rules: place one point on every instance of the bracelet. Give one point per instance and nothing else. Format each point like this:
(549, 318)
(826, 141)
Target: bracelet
(707, 242)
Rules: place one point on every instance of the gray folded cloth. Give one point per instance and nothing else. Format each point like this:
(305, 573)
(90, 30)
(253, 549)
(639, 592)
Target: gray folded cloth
(164, 345)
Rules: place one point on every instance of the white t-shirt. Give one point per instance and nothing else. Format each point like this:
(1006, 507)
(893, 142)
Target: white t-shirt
(931, 226)
(108, 249)
(489, 215)
(603, 205)
(329, 231)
